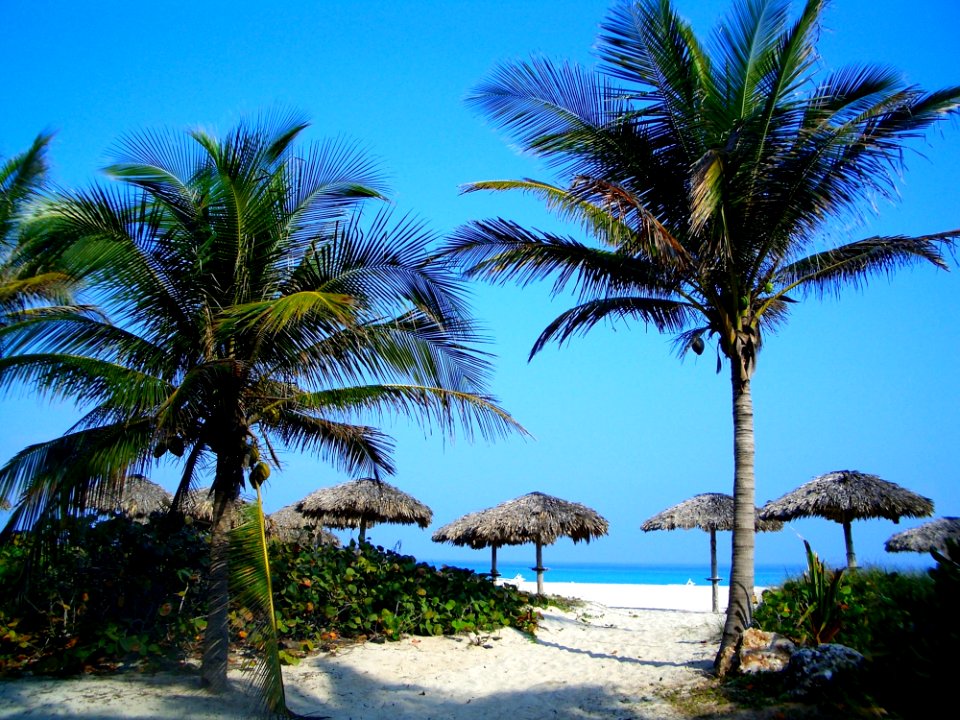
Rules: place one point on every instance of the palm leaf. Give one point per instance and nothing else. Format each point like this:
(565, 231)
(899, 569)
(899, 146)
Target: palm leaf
(851, 264)
(65, 476)
(251, 584)
(664, 315)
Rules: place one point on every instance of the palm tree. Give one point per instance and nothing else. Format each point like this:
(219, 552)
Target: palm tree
(706, 175)
(22, 179)
(244, 305)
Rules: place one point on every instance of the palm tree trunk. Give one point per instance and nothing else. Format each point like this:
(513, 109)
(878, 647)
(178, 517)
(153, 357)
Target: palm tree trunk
(739, 605)
(216, 637)
(226, 487)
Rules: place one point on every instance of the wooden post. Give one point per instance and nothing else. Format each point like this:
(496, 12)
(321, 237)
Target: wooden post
(540, 569)
(493, 562)
(848, 539)
(714, 580)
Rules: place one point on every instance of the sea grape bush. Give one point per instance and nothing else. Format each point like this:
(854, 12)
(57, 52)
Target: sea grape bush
(110, 591)
(869, 609)
(115, 591)
(906, 624)
(368, 592)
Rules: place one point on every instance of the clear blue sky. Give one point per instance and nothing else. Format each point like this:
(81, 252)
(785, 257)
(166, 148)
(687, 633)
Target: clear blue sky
(867, 381)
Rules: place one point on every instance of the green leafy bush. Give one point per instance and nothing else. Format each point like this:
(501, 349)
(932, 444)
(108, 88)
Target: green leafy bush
(905, 623)
(328, 593)
(870, 611)
(111, 591)
(117, 591)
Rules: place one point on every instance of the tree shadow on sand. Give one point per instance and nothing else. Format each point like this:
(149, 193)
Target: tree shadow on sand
(337, 693)
(368, 698)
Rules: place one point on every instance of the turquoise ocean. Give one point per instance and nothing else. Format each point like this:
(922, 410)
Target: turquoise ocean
(765, 575)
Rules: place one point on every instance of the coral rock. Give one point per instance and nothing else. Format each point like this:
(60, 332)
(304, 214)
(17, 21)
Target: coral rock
(813, 670)
(764, 652)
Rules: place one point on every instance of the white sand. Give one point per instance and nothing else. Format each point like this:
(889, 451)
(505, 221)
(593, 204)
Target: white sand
(606, 661)
(695, 598)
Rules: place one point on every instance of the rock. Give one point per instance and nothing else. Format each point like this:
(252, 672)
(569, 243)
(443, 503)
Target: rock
(816, 669)
(764, 652)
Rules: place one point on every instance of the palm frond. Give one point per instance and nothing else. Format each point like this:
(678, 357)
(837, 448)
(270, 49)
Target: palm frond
(251, 584)
(746, 40)
(67, 475)
(322, 311)
(85, 380)
(502, 251)
(347, 447)
(540, 102)
(853, 263)
(650, 46)
(665, 315)
(21, 177)
(440, 406)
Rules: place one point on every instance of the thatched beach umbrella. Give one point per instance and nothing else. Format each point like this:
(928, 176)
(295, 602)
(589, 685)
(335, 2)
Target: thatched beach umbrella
(932, 535)
(465, 531)
(137, 497)
(710, 512)
(534, 518)
(847, 495)
(289, 525)
(359, 503)
(198, 504)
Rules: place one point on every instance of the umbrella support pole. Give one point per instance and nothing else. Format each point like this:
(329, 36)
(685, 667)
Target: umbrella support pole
(714, 580)
(539, 569)
(493, 563)
(848, 540)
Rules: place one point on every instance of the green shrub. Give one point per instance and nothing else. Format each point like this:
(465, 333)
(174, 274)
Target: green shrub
(112, 591)
(117, 591)
(906, 624)
(367, 592)
(874, 609)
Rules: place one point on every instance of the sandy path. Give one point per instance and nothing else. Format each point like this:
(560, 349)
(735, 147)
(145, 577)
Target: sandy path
(593, 663)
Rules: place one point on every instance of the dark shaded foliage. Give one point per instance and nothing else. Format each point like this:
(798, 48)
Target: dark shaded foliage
(113, 591)
(905, 623)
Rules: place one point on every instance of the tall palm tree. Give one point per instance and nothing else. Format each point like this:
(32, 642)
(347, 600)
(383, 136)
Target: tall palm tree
(243, 303)
(706, 174)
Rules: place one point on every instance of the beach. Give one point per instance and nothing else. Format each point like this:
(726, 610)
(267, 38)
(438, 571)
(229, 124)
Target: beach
(620, 654)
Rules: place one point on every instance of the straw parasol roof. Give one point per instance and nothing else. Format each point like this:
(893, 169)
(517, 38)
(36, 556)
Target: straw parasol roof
(932, 535)
(359, 503)
(710, 512)
(198, 504)
(136, 497)
(707, 511)
(534, 518)
(847, 495)
(289, 525)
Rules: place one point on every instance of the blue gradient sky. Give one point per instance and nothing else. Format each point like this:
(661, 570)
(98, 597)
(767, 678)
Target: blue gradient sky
(867, 381)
